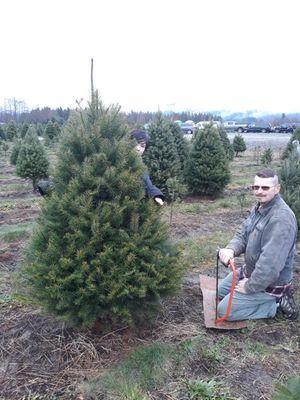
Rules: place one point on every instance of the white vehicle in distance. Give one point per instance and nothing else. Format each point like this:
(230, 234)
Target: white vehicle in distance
(202, 124)
(233, 126)
(188, 127)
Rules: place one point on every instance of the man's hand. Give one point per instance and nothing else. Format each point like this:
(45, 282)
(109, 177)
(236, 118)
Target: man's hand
(240, 287)
(225, 255)
(159, 201)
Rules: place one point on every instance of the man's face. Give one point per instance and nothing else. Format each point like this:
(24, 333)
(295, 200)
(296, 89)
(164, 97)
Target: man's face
(140, 147)
(265, 189)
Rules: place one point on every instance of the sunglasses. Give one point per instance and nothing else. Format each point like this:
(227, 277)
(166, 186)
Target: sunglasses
(264, 188)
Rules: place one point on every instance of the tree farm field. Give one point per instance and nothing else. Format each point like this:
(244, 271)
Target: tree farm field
(175, 357)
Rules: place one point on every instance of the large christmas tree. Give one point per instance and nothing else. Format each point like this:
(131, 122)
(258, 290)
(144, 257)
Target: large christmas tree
(99, 249)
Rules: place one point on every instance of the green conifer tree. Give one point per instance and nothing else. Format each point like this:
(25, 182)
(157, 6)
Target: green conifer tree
(207, 168)
(40, 130)
(4, 147)
(267, 157)
(11, 130)
(50, 131)
(100, 249)
(289, 147)
(15, 151)
(161, 157)
(290, 391)
(32, 161)
(23, 130)
(290, 185)
(182, 148)
(57, 129)
(2, 133)
(226, 143)
(239, 145)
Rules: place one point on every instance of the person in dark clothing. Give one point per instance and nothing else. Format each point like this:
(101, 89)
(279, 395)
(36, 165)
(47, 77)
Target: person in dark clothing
(142, 140)
(45, 186)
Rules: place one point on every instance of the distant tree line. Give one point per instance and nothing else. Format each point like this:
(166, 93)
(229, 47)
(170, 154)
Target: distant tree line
(36, 116)
(17, 111)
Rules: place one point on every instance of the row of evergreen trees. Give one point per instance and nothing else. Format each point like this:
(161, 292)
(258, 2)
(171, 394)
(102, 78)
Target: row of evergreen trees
(174, 166)
(12, 130)
(201, 166)
(99, 249)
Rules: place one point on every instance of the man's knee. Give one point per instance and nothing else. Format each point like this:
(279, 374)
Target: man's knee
(222, 309)
(222, 291)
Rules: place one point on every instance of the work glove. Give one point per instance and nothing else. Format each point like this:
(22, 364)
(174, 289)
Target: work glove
(225, 255)
(159, 201)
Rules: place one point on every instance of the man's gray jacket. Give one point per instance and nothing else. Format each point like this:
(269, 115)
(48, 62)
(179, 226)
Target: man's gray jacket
(268, 239)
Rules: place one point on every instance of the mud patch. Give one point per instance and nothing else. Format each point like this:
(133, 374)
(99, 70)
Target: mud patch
(14, 194)
(14, 181)
(186, 225)
(18, 215)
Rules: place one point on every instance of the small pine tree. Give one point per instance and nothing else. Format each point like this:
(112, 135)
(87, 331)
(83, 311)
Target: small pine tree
(289, 392)
(176, 189)
(100, 249)
(2, 133)
(40, 130)
(4, 147)
(11, 130)
(257, 155)
(57, 129)
(290, 185)
(207, 168)
(50, 131)
(23, 130)
(161, 157)
(32, 161)
(289, 147)
(182, 147)
(267, 157)
(15, 151)
(226, 143)
(239, 145)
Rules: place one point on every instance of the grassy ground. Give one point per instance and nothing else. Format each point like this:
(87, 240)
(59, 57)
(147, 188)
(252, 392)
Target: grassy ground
(175, 357)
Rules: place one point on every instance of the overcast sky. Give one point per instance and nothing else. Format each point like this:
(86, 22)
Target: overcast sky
(149, 54)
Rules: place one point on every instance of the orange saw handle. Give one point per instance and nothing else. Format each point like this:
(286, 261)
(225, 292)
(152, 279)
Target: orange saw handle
(233, 283)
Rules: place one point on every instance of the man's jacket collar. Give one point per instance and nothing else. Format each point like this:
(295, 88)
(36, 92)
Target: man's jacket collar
(265, 209)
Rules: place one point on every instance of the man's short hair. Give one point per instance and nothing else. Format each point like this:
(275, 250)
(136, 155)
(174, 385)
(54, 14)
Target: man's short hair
(267, 173)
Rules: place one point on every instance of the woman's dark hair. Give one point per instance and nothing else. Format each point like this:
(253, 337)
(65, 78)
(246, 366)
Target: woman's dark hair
(140, 136)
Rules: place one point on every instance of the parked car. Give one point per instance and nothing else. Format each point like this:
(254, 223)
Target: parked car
(233, 126)
(178, 122)
(283, 129)
(255, 128)
(188, 127)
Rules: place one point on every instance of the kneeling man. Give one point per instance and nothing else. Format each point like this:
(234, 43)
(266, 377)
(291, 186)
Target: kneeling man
(268, 240)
